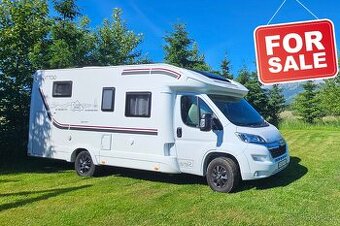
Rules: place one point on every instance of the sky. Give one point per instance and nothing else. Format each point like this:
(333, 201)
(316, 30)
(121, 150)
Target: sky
(219, 27)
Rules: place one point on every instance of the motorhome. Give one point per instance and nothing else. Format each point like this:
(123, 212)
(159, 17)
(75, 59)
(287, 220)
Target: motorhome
(154, 117)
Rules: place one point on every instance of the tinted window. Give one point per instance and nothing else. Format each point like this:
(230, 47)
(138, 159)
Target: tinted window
(138, 104)
(108, 99)
(62, 89)
(238, 111)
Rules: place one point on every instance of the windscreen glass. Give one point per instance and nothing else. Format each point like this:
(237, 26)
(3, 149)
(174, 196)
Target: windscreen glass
(238, 111)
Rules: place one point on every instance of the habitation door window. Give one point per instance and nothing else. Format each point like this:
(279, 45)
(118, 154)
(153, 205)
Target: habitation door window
(108, 99)
(138, 104)
(62, 89)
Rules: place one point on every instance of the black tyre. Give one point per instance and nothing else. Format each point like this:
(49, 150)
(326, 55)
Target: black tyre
(84, 165)
(223, 175)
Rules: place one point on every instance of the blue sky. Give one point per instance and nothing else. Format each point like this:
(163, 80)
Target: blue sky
(218, 26)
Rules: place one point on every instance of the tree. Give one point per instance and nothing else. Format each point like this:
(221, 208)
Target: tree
(225, 68)
(71, 42)
(67, 9)
(243, 75)
(24, 28)
(182, 51)
(306, 104)
(198, 60)
(330, 96)
(276, 104)
(256, 96)
(115, 44)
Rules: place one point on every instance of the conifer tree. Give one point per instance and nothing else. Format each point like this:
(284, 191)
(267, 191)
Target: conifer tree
(225, 68)
(115, 44)
(276, 104)
(182, 51)
(306, 104)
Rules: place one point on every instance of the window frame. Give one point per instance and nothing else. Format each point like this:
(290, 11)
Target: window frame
(127, 106)
(113, 99)
(54, 86)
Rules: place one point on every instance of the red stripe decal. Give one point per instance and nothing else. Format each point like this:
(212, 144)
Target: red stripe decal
(170, 71)
(104, 127)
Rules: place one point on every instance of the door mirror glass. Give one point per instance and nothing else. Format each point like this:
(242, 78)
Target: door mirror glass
(206, 122)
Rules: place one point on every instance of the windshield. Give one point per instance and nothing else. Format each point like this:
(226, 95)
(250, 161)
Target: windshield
(238, 111)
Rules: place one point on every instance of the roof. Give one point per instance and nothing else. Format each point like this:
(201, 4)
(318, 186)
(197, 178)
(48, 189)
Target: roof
(183, 79)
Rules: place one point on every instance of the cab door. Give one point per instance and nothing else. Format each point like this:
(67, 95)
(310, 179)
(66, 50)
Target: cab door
(191, 142)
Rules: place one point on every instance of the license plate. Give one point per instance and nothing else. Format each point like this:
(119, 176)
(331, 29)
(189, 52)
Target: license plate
(282, 163)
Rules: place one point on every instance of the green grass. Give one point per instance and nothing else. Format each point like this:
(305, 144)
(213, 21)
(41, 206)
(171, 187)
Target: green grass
(43, 192)
(291, 121)
(289, 124)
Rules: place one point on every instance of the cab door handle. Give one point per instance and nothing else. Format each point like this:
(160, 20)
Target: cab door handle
(179, 132)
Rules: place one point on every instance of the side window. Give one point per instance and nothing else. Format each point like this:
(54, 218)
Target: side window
(62, 89)
(138, 104)
(189, 110)
(108, 99)
(193, 108)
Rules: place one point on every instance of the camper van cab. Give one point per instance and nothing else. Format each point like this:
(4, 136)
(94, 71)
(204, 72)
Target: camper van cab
(154, 117)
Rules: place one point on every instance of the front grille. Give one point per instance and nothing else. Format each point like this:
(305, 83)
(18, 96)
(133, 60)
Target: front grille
(276, 152)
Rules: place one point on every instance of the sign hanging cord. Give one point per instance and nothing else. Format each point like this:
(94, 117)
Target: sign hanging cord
(284, 1)
(309, 11)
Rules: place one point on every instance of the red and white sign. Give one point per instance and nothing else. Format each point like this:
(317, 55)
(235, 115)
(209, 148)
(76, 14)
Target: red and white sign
(296, 51)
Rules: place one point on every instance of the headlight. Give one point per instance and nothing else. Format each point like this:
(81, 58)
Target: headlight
(260, 158)
(250, 138)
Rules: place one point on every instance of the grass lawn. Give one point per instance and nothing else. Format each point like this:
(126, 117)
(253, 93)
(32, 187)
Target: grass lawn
(43, 192)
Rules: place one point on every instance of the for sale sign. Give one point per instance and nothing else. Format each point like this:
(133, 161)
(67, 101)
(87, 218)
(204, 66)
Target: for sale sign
(296, 51)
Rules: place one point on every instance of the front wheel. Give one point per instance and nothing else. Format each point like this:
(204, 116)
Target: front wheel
(223, 175)
(84, 165)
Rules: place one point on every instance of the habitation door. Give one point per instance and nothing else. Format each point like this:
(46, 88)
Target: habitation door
(191, 142)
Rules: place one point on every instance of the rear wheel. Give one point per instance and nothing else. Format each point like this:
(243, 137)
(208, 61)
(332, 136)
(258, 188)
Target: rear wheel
(223, 175)
(84, 165)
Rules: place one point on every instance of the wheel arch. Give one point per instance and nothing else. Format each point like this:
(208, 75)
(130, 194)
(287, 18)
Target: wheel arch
(78, 150)
(212, 155)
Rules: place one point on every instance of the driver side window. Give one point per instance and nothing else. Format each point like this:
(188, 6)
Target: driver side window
(189, 110)
(193, 108)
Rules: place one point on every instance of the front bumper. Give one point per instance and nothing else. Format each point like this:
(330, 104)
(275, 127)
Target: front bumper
(265, 166)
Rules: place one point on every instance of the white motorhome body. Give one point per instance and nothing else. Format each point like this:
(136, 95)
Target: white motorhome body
(151, 117)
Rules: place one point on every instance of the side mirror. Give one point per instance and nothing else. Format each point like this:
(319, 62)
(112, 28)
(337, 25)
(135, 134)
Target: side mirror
(206, 122)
